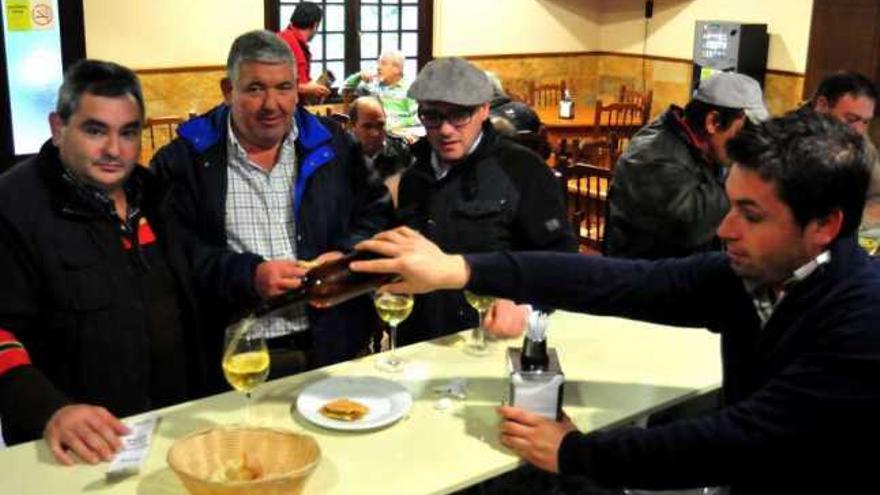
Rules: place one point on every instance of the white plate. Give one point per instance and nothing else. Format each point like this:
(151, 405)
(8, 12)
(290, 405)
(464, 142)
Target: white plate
(388, 401)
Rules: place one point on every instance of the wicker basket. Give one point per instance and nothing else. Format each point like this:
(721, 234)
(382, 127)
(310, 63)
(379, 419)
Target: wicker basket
(286, 459)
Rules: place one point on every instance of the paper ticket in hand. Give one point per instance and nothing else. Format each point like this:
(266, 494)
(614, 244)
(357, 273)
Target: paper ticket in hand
(135, 447)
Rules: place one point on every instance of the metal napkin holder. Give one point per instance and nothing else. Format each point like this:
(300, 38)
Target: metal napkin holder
(537, 391)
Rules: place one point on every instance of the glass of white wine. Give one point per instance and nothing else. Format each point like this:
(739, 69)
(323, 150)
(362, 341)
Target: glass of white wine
(392, 309)
(481, 303)
(245, 359)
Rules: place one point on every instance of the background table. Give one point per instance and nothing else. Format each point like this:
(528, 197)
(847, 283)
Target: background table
(557, 129)
(616, 372)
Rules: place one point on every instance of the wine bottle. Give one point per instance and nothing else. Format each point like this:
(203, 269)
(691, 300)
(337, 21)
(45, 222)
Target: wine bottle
(329, 284)
(534, 355)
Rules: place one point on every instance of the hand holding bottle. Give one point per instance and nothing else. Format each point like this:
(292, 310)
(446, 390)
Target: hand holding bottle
(274, 277)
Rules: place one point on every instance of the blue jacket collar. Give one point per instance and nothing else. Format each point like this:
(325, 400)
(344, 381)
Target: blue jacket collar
(206, 130)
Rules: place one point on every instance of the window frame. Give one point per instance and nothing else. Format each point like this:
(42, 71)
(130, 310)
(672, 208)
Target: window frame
(352, 59)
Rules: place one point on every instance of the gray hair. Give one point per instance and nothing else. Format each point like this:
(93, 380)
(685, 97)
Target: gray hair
(98, 78)
(396, 56)
(257, 46)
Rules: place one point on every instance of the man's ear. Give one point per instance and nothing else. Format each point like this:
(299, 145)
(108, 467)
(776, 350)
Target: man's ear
(712, 124)
(57, 126)
(823, 230)
(821, 104)
(226, 89)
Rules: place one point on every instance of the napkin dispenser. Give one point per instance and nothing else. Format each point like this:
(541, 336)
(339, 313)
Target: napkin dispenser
(538, 391)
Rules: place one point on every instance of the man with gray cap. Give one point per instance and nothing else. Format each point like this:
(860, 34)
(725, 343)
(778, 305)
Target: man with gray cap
(471, 191)
(667, 193)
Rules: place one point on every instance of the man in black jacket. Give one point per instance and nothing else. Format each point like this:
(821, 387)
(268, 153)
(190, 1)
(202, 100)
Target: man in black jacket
(260, 185)
(795, 300)
(667, 194)
(471, 191)
(96, 319)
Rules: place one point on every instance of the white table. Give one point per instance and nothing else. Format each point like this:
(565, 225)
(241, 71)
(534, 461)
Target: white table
(616, 370)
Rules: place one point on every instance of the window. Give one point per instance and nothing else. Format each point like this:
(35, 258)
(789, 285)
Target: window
(354, 33)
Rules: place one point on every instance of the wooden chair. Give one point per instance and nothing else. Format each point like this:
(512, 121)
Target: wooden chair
(586, 190)
(158, 131)
(644, 99)
(621, 117)
(547, 95)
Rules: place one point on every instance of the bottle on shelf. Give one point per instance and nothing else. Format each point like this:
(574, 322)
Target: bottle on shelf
(566, 105)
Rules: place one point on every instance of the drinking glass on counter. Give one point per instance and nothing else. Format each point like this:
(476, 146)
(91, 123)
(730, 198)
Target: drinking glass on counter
(392, 309)
(481, 303)
(245, 359)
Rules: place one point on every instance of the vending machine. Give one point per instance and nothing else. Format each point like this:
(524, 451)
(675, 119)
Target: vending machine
(721, 46)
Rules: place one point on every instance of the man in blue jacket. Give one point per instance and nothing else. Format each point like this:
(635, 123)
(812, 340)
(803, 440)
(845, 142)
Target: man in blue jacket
(261, 185)
(795, 300)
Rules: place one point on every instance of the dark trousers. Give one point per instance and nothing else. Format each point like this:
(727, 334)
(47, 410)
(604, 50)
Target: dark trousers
(289, 354)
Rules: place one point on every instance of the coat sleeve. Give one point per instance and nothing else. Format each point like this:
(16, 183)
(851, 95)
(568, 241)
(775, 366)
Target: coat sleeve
(541, 217)
(218, 271)
(693, 291)
(27, 397)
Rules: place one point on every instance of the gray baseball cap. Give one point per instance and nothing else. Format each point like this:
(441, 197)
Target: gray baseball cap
(451, 80)
(732, 90)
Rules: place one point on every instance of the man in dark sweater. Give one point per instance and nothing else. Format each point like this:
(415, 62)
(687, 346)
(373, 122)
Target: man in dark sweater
(795, 300)
(96, 317)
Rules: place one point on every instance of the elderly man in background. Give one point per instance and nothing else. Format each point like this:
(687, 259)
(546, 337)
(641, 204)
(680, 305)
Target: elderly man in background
(388, 84)
(667, 194)
(261, 184)
(469, 191)
(304, 22)
(385, 155)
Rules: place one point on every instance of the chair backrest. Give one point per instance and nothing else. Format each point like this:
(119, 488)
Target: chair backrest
(547, 95)
(622, 120)
(643, 99)
(158, 131)
(586, 190)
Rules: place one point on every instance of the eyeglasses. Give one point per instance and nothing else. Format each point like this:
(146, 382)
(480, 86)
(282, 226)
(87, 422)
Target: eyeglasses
(457, 116)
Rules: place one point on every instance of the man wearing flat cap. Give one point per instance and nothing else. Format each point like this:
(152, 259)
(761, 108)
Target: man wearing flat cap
(667, 194)
(470, 191)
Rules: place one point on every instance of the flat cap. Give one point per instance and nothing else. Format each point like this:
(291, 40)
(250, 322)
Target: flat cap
(732, 90)
(451, 80)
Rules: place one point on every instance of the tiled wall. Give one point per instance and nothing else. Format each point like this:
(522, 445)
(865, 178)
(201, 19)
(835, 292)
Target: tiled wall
(181, 91)
(591, 77)
(599, 76)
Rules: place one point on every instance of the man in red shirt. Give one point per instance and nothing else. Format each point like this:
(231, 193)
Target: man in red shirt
(302, 28)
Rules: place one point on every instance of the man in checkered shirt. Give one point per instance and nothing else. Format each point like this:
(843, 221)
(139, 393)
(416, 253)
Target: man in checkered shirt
(260, 184)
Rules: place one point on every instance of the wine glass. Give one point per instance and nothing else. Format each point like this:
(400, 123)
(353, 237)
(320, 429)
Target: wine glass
(392, 309)
(481, 303)
(245, 359)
